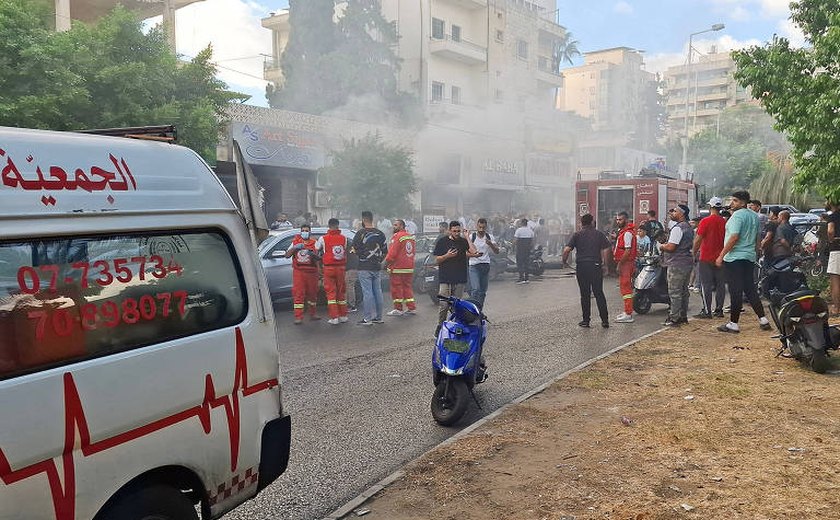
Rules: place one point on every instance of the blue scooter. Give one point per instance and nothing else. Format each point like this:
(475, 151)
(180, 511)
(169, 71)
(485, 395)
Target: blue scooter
(457, 363)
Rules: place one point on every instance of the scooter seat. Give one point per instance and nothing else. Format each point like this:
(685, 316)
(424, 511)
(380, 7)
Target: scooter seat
(779, 298)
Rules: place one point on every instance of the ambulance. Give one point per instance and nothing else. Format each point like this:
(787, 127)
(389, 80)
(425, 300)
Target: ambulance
(139, 369)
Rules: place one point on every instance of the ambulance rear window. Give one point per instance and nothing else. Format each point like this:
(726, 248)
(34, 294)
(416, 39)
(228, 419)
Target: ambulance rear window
(68, 299)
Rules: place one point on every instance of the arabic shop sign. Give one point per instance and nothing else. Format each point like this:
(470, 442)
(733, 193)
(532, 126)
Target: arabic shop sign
(283, 147)
(499, 171)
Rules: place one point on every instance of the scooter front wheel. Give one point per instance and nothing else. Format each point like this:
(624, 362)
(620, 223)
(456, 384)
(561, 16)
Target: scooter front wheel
(449, 401)
(641, 302)
(819, 362)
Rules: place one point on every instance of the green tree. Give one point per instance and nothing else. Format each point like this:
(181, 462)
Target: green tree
(358, 62)
(565, 50)
(734, 152)
(800, 88)
(107, 74)
(369, 174)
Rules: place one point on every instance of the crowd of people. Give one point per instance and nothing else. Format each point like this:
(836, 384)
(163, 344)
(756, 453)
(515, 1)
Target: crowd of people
(713, 255)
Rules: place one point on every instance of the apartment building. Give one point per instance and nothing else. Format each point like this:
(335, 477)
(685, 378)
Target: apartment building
(710, 87)
(486, 73)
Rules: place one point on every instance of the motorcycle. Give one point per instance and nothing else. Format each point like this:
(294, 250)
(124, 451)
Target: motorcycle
(800, 315)
(536, 263)
(650, 285)
(457, 363)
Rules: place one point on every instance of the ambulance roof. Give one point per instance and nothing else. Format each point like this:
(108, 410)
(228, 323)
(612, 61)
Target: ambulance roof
(56, 173)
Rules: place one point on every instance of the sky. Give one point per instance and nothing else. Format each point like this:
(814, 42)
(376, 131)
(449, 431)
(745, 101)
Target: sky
(660, 28)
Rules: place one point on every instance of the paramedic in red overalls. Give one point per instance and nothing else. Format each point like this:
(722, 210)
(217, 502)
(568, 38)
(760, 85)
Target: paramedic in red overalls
(625, 257)
(400, 262)
(333, 247)
(304, 273)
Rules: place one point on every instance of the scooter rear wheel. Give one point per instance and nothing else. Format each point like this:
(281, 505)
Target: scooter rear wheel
(449, 401)
(641, 303)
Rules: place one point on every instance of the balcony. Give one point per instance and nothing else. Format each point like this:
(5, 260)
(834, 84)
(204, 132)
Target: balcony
(547, 73)
(467, 4)
(458, 50)
(278, 21)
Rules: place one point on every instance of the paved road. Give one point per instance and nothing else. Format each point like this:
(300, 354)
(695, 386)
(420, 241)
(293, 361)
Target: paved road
(359, 396)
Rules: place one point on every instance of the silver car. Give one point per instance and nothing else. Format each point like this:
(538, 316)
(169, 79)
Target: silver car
(278, 268)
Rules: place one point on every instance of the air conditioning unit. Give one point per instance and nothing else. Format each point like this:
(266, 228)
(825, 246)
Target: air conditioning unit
(322, 199)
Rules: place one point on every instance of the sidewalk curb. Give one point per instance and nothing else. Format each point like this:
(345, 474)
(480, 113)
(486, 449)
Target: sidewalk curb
(363, 497)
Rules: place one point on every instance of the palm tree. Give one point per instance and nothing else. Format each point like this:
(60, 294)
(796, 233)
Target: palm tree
(565, 50)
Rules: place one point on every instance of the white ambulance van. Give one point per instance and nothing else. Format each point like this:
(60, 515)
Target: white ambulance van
(139, 372)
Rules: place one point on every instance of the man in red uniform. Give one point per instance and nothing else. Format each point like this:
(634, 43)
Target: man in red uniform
(333, 247)
(625, 253)
(400, 262)
(304, 273)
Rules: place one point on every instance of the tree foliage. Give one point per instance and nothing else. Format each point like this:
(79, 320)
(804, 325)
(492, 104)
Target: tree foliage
(369, 174)
(735, 151)
(108, 74)
(800, 88)
(328, 62)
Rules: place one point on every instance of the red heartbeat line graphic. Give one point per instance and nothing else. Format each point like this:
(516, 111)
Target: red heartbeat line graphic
(64, 498)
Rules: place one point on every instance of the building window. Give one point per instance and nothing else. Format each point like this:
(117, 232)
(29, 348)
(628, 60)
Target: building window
(500, 96)
(438, 29)
(437, 92)
(456, 95)
(500, 36)
(456, 33)
(522, 49)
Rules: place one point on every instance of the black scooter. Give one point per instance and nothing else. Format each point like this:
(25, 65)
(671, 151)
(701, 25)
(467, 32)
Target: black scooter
(800, 314)
(650, 285)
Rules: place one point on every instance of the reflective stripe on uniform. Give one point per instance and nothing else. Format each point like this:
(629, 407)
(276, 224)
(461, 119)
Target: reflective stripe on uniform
(332, 302)
(397, 300)
(628, 296)
(342, 302)
(298, 306)
(406, 237)
(409, 300)
(402, 271)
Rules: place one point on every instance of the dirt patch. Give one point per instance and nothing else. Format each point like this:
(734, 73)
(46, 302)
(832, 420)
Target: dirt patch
(690, 423)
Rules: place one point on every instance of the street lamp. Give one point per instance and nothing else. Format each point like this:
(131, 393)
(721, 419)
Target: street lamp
(715, 27)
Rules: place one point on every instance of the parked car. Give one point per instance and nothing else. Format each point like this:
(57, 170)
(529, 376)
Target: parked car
(278, 268)
(768, 208)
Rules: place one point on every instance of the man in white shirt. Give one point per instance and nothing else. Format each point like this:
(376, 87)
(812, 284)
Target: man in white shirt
(411, 226)
(523, 243)
(480, 265)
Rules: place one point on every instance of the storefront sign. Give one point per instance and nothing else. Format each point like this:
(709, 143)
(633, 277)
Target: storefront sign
(431, 223)
(271, 146)
(500, 171)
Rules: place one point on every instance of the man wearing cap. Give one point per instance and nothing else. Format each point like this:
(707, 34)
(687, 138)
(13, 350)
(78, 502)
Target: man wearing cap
(708, 241)
(738, 257)
(679, 261)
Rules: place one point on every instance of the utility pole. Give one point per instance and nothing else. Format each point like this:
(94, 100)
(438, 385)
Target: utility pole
(62, 15)
(715, 27)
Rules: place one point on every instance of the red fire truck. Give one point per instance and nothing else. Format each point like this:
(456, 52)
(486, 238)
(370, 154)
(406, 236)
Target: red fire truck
(613, 192)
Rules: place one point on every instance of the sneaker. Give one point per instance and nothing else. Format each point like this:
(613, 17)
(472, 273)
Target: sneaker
(395, 312)
(527, 281)
(584, 324)
(352, 309)
(624, 318)
(726, 328)
(364, 322)
(765, 326)
(703, 315)
(333, 321)
(298, 321)
(671, 323)
(718, 313)
(520, 282)
(378, 321)
(605, 324)
(342, 319)
(410, 312)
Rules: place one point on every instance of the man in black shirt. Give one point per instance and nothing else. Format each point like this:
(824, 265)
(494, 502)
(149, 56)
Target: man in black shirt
(593, 251)
(451, 253)
(369, 245)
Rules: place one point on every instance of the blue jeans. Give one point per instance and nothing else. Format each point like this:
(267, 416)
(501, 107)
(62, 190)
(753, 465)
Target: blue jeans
(479, 277)
(371, 283)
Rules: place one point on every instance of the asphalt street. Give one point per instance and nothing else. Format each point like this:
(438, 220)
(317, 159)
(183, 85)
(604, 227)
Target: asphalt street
(359, 396)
